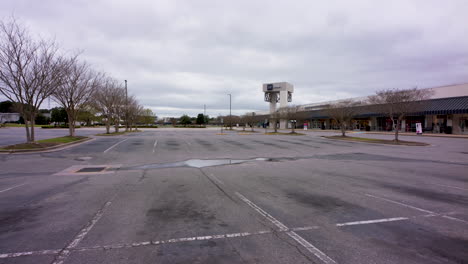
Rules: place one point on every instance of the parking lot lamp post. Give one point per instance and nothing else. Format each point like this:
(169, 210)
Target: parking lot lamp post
(126, 107)
(230, 115)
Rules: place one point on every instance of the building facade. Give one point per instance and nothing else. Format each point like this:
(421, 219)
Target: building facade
(445, 112)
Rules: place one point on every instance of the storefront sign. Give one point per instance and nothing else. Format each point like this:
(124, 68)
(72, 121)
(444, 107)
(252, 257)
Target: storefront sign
(305, 126)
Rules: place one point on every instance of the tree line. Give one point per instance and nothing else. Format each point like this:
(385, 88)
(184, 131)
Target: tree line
(33, 70)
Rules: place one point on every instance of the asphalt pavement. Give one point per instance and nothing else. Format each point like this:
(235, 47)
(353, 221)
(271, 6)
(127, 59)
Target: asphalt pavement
(198, 196)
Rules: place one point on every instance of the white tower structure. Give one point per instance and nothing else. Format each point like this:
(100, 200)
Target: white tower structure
(278, 92)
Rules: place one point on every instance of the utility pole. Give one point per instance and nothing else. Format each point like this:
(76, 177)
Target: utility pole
(230, 115)
(126, 107)
(204, 110)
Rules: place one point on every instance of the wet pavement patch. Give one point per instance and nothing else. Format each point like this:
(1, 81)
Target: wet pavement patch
(194, 163)
(18, 219)
(429, 194)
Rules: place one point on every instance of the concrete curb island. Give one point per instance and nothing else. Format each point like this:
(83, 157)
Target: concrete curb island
(47, 149)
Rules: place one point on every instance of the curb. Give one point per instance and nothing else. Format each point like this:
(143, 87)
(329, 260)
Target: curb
(423, 135)
(48, 149)
(376, 143)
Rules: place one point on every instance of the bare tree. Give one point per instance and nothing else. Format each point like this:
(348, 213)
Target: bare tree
(251, 119)
(135, 112)
(30, 71)
(79, 86)
(274, 118)
(342, 112)
(290, 113)
(109, 100)
(396, 104)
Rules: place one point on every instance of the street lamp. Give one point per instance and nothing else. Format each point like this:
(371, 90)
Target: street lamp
(230, 116)
(126, 107)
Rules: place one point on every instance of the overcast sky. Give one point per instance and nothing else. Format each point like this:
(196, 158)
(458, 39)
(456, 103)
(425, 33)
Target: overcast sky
(180, 55)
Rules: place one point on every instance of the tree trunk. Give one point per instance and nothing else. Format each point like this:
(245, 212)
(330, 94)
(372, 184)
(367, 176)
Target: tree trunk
(276, 127)
(28, 133)
(71, 125)
(32, 128)
(397, 129)
(343, 130)
(252, 128)
(116, 127)
(107, 127)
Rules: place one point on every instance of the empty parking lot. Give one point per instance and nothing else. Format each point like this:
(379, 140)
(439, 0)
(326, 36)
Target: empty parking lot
(194, 196)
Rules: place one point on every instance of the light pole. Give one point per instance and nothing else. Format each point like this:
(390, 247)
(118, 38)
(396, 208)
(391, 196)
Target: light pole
(230, 116)
(126, 107)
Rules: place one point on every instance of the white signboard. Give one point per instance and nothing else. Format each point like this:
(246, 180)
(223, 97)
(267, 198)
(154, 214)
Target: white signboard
(419, 128)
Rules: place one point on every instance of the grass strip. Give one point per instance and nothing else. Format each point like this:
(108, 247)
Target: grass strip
(44, 143)
(18, 125)
(283, 133)
(117, 133)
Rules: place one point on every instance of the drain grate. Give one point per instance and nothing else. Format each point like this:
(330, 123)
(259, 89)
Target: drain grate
(92, 169)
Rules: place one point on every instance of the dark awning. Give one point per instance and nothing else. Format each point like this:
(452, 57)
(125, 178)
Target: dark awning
(442, 106)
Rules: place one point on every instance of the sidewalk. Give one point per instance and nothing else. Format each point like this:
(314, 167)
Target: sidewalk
(414, 134)
(391, 133)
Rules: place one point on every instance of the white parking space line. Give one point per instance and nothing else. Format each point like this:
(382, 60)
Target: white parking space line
(29, 253)
(64, 253)
(11, 188)
(113, 146)
(216, 179)
(373, 221)
(154, 146)
(399, 203)
(417, 208)
(212, 237)
(280, 225)
(306, 244)
(455, 219)
(448, 186)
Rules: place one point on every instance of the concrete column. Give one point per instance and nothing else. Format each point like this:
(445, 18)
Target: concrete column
(456, 129)
(273, 102)
(283, 124)
(283, 98)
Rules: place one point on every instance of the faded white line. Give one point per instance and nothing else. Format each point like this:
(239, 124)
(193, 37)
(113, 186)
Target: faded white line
(29, 253)
(366, 222)
(455, 219)
(280, 225)
(311, 248)
(154, 146)
(111, 147)
(216, 179)
(399, 203)
(211, 237)
(448, 186)
(63, 255)
(11, 188)
(419, 209)
(305, 228)
(177, 240)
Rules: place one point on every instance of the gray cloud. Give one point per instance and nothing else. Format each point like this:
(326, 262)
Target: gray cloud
(179, 55)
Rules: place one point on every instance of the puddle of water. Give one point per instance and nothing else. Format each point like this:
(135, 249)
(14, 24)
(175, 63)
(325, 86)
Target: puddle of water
(198, 163)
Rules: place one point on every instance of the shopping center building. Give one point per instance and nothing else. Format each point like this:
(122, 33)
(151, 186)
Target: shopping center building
(445, 112)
